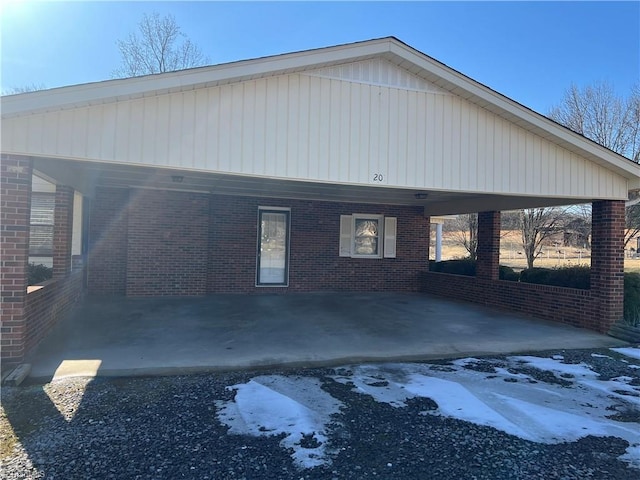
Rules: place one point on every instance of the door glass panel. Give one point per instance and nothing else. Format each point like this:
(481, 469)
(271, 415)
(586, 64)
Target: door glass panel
(272, 256)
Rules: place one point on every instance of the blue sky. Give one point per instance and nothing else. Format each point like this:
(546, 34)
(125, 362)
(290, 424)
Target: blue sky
(529, 51)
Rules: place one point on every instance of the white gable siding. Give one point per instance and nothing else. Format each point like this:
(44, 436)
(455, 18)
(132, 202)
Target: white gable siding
(318, 128)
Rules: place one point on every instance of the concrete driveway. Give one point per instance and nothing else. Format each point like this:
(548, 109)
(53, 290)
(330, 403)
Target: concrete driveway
(140, 336)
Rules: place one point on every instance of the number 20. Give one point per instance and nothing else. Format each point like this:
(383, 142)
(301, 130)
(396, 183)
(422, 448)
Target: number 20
(378, 177)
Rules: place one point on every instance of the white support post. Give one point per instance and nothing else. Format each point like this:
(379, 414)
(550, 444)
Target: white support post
(438, 242)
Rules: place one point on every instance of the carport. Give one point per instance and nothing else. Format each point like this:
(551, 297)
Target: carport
(142, 336)
(309, 172)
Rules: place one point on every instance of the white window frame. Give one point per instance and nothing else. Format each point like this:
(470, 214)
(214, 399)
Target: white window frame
(387, 235)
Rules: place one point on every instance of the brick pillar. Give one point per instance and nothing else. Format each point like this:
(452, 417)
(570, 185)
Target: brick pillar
(15, 217)
(488, 259)
(607, 261)
(62, 231)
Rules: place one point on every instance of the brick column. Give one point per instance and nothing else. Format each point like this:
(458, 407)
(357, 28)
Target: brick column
(607, 261)
(15, 217)
(488, 259)
(62, 231)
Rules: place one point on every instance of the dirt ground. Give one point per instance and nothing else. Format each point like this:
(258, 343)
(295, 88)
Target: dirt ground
(512, 254)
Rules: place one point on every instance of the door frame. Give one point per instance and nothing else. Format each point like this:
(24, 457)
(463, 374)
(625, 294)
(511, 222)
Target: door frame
(287, 212)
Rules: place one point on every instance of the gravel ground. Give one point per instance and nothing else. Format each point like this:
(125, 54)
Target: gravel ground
(167, 428)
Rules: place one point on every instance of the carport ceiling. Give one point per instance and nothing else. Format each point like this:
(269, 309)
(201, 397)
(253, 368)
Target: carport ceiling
(86, 176)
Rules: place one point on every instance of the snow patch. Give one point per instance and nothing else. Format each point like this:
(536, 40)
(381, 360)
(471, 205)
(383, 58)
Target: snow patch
(294, 406)
(511, 402)
(628, 351)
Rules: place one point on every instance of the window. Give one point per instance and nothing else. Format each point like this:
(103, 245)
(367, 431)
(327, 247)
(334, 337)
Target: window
(367, 236)
(41, 234)
(273, 247)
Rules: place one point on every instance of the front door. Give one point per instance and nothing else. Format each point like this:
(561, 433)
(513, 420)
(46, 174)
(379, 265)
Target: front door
(273, 248)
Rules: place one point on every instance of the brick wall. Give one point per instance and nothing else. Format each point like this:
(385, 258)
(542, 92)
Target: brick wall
(177, 243)
(314, 263)
(167, 243)
(47, 305)
(15, 208)
(62, 231)
(107, 260)
(567, 305)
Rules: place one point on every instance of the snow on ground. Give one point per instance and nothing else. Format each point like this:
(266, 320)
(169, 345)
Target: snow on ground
(274, 404)
(537, 399)
(628, 351)
(513, 402)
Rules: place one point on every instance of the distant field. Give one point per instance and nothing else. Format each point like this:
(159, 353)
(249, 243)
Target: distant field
(511, 253)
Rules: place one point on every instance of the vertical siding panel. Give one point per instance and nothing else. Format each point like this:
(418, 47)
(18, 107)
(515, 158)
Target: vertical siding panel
(505, 155)
(293, 127)
(94, 132)
(484, 151)
(566, 170)
(323, 128)
(176, 102)
(465, 146)
(402, 160)
(35, 138)
(455, 172)
(364, 162)
(64, 139)
(213, 129)
(235, 148)
(108, 137)
(438, 140)
(429, 142)
(224, 128)
(148, 133)
(382, 157)
(335, 131)
(536, 182)
(123, 119)
(356, 157)
(261, 127)
(282, 108)
(411, 137)
(419, 128)
(162, 129)
(51, 127)
(374, 132)
(314, 127)
(392, 152)
(303, 127)
(188, 129)
(345, 131)
(471, 155)
(201, 129)
(499, 151)
(447, 141)
(248, 125)
(543, 166)
(134, 153)
(18, 132)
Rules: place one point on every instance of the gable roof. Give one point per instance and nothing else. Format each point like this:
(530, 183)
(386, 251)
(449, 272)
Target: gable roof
(389, 48)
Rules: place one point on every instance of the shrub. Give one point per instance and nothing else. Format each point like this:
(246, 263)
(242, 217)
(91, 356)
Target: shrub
(38, 273)
(570, 277)
(464, 266)
(509, 274)
(632, 299)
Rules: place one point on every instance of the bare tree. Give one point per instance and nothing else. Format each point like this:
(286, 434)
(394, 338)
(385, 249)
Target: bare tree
(32, 87)
(465, 232)
(599, 114)
(536, 225)
(159, 47)
(632, 217)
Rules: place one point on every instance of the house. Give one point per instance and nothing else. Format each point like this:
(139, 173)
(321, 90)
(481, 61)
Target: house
(310, 171)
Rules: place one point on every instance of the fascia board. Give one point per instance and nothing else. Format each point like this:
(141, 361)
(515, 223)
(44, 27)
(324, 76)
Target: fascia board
(149, 85)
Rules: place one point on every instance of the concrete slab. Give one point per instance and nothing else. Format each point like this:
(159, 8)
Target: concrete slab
(141, 336)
